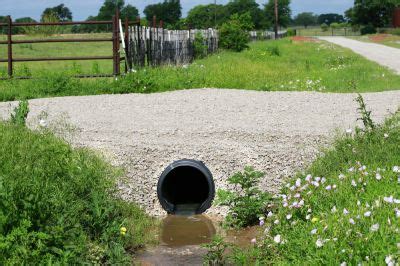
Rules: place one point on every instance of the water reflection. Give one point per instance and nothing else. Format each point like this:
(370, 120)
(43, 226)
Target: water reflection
(178, 231)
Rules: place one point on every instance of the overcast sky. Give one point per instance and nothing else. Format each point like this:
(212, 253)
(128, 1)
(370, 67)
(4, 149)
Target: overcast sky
(81, 9)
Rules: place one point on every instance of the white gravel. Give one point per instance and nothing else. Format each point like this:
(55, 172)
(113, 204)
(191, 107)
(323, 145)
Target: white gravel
(277, 132)
(381, 54)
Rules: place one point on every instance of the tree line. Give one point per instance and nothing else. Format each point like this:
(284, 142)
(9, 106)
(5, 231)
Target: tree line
(364, 12)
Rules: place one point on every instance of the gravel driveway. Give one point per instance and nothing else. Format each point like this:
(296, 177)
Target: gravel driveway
(276, 132)
(382, 54)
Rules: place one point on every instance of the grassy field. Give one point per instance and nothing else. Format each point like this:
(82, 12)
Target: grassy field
(59, 50)
(58, 204)
(344, 210)
(283, 65)
(317, 31)
(385, 39)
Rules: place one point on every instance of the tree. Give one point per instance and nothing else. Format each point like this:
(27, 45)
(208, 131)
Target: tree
(247, 6)
(330, 18)
(22, 30)
(130, 12)
(377, 13)
(305, 19)
(61, 12)
(283, 10)
(108, 9)
(169, 11)
(203, 16)
(234, 33)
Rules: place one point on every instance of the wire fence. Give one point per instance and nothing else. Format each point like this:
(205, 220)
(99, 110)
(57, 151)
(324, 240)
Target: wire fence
(150, 46)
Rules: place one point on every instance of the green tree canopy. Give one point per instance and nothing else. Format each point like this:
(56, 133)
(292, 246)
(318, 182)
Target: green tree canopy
(130, 12)
(305, 19)
(61, 12)
(169, 11)
(330, 18)
(107, 10)
(283, 9)
(378, 13)
(203, 16)
(247, 6)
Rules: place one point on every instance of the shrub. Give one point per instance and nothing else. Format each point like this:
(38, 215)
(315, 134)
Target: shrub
(234, 33)
(395, 31)
(216, 250)
(274, 50)
(324, 27)
(57, 204)
(291, 32)
(246, 205)
(369, 29)
(200, 48)
(335, 25)
(20, 113)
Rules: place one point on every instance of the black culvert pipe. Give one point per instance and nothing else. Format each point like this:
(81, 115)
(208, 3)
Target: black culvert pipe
(186, 187)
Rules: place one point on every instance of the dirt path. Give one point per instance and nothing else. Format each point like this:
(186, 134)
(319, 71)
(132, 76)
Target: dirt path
(382, 54)
(276, 132)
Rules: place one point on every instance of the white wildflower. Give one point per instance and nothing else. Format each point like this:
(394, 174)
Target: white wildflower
(333, 210)
(329, 187)
(351, 220)
(289, 216)
(341, 176)
(276, 222)
(319, 243)
(353, 183)
(298, 182)
(351, 169)
(345, 211)
(396, 169)
(367, 214)
(374, 227)
(308, 178)
(323, 180)
(349, 131)
(358, 203)
(334, 186)
(378, 176)
(314, 231)
(388, 199)
(277, 239)
(389, 260)
(343, 263)
(269, 214)
(385, 135)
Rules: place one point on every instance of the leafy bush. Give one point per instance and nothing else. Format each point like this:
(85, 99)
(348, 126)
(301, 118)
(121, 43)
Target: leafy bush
(291, 32)
(20, 113)
(246, 205)
(369, 29)
(57, 204)
(395, 31)
(324, 27)
(274, 50)
(335, 25)
(234, 33)
(200, 48)
(216, 250)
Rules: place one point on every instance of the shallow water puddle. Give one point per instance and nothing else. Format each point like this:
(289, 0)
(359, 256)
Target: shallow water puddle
(180, 240)
(181, 237)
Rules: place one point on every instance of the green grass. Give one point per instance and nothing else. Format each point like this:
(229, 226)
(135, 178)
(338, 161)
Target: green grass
(349, 217)
(389, 40)
(281, 65)
(57, 204)
(58, 50)
(317, 31)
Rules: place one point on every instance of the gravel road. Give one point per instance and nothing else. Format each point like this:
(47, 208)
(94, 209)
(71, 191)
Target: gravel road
(382, 54)
(276, 132)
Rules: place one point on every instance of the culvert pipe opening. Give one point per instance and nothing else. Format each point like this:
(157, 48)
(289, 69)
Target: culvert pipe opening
(186, 187)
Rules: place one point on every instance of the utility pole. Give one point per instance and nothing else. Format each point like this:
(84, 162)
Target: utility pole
(215, 13)
(276, 19)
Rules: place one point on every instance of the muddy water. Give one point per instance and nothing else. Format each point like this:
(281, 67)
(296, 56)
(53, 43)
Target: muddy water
(181, 237)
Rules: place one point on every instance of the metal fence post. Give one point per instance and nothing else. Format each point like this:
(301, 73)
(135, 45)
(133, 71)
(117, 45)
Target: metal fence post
(9, 43)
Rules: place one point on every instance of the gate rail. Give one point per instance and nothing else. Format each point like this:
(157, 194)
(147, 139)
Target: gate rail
(115, 39)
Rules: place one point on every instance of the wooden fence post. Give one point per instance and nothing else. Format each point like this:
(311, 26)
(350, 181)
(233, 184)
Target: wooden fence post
(128, 64)
(116, 56)
(9, 43)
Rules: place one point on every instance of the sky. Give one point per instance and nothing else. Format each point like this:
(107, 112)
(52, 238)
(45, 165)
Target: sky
(81, 9)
